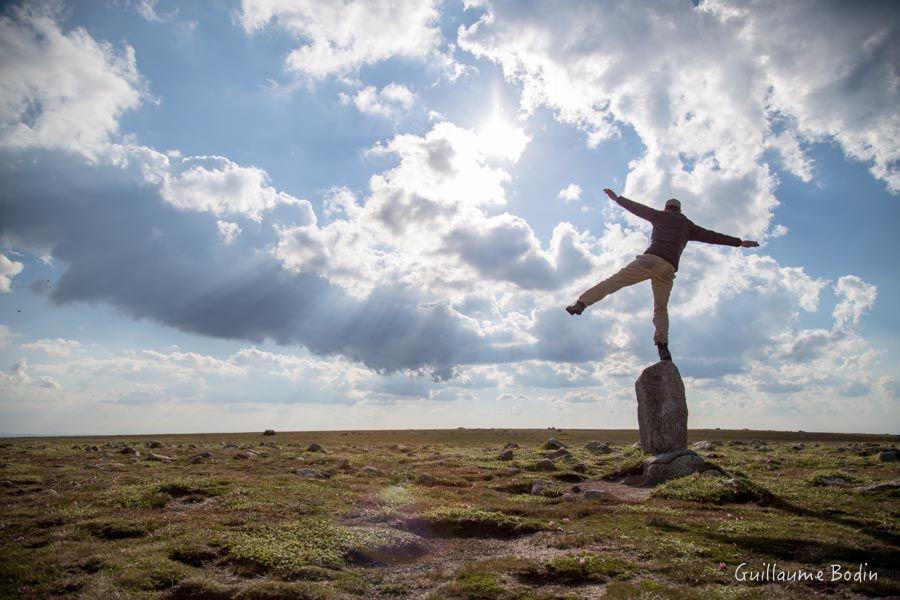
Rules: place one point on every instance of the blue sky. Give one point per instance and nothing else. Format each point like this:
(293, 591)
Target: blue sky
(231, 216)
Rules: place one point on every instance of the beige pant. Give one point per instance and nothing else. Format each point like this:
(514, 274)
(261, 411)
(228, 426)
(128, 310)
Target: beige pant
(645, 266)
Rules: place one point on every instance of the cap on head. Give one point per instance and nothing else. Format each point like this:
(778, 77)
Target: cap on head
(673, 204)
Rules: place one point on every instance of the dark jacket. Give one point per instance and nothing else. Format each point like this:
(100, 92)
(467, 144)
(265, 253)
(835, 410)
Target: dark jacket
(672, 231)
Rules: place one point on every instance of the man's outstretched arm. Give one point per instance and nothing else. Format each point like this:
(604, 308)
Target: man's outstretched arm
(636, 208)
(699, 234)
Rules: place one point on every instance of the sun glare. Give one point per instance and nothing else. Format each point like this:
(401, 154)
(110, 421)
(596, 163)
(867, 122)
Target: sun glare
(499, 139)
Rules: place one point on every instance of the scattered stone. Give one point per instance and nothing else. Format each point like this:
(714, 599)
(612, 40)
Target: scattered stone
(510, 446)
(314, 447)
(704, 445)
(153, 444)
(230, 445)
(199, 457)
(575, 489)
(713, 473)
(737, 443)
(636, 445)
(92, 449)
(798, 447)
(506, 455)
(539, 486)
(545, 464)
(712, 455)
(269, 432)
(662, 409)
(192, 446)
(558, 454)
(762, 448)
(597, 447)
(129, 450)
(425, 479)
(553, 444)
(512, 471)
(312, 473)
(6, 483)
(159, 457)
(370, 471)
(662, 467)
(889, 456)
(342, 464)
(883, 486)
(241, 455)
(580, 468)
(833, 481)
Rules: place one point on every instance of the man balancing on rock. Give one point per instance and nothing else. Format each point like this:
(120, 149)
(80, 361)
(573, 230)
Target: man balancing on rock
(671, 233)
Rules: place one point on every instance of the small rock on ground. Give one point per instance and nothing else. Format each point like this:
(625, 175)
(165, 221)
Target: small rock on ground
(889, 456)
(506, 455)
(545, 464)
(553, 444)
(597, 447)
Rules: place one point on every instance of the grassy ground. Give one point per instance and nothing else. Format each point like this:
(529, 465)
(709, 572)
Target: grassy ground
(436, 514)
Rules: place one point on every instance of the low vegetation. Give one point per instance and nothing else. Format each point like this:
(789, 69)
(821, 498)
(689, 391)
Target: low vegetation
(439, 514)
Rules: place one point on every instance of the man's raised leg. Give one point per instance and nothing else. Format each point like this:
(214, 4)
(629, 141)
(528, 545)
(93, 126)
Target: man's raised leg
(634, 272)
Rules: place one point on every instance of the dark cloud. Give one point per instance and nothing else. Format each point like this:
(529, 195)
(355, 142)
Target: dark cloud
(122, 245)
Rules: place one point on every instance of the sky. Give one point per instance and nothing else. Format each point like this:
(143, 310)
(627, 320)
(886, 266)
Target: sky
(308, 215)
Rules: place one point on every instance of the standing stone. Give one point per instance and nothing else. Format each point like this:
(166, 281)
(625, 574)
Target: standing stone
(662, 409)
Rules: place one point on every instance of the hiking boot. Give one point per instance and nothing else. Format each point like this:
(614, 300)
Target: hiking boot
(577, 308)
(664, 353)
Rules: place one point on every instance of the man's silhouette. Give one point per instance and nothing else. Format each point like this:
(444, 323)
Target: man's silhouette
(671, 233)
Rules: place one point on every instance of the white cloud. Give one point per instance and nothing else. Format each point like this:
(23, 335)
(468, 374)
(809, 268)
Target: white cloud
(339, 37)
(61, 90)
(217, 185)
(45, 381)
(8, 270)
(570, 193)
(424, 224)
(856, 296)
(708, 91)
(228, 231)
(390, 101)
(56, 347)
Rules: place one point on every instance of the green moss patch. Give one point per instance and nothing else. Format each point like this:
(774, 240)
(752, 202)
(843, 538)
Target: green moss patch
(461, 521)
(472, 586)
(832, 479)
(152, 574)
(577, 569)
(713, 490)
(203, 589)
(519, 486)
(119, 529)
(158, 495)
(291, 547)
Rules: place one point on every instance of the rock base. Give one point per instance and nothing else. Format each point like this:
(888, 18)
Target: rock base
(662, 409)
(666, 466)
